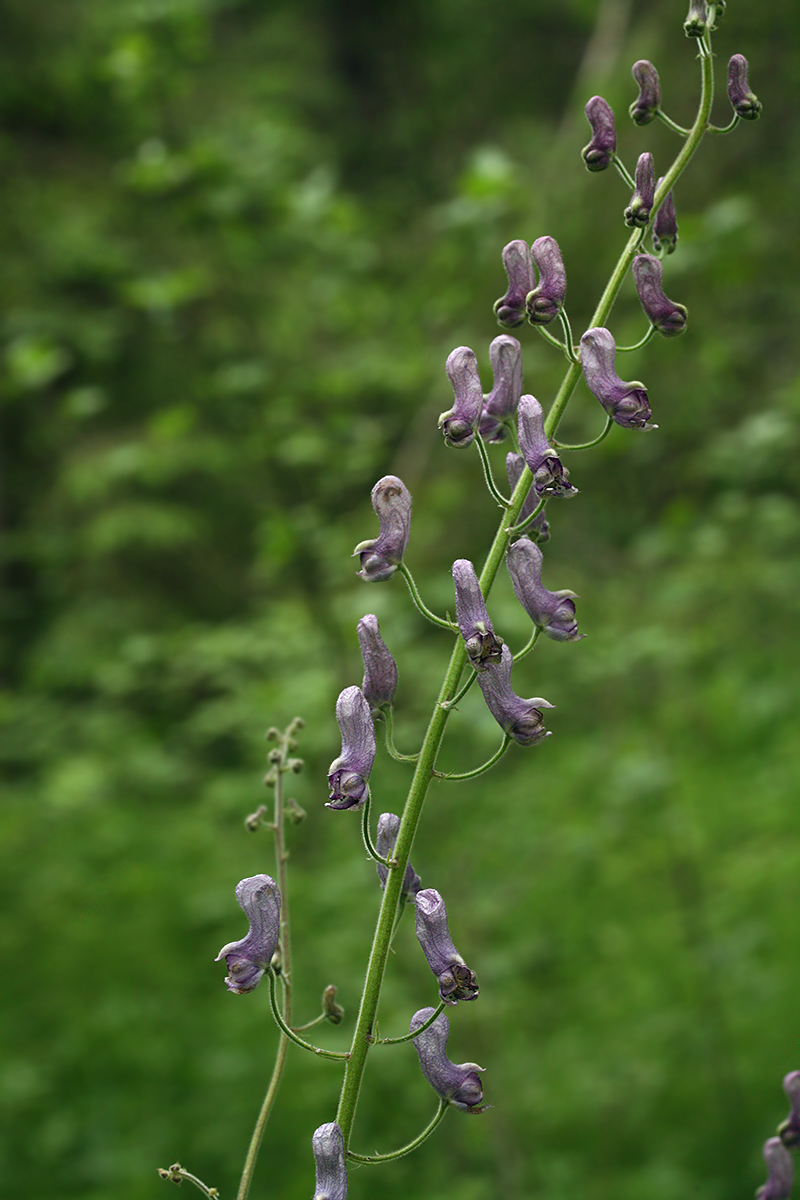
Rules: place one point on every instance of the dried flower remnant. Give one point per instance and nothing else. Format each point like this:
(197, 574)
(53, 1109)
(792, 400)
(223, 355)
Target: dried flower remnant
(626, 403)
(696, 21)
(648, 102)
(458, 1083)
(385, 841)
(510, 308)
(668, 318)
(789, 1131)
(550, 477)
(380, 670)
(600, 151)
(638, 211)
(522, 720)
(247, 960)
(745, 104)
(780, 1171)
(553, 611)
(546, 300)
(505, 355)
(348, 774)
(327, 1143)
(381, 556)
(539, 526)
(665, 225)
(456, 980)
(482, 643)
(460, 422)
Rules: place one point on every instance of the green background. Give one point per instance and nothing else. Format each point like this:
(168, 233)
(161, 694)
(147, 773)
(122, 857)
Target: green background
(239, 240)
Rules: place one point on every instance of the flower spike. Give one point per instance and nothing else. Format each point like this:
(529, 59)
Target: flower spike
(348, 774)
(459, 1084)
(381, 556)
(456, 980)
(603, 146)
(380, 670)
(482, 643)
(665, 226)
(668, 318)
(789, 1131)
(550, 477)
(388, 829)
(546, 300)
(648, 102)
(540, 526)
(327, 1143)
(625, 403)
(780, 1171)
(521, 719)
(553, 611)
(696, 21)
(505, 355)
(248, 959)
(638, 211)
(510, 308)
(459, 422)
(745, 104)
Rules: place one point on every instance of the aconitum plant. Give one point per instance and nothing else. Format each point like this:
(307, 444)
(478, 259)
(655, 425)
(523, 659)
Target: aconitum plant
(540, 471)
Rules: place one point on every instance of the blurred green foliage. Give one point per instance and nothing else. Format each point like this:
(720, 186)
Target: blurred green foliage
(238, 242)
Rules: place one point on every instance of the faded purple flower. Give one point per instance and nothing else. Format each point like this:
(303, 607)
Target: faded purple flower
(458, 1083)
(546, 300)
(601, 149)
(460, 422)
(550, 477)
(665, 226)
(789, 1131)
(380, 670)
(638, 211)
(521, 719)
(456, 980)
(505, 355)
(648, 102)
(248, 959)
(553, 611)
(327, 1143)
(482, 643)
(780, 1171)
(696, 21)
(348, 774)
(539, 526)
(380, 556)
(625, 403)
(668, 318)
(745, 104)
(388, 829)
(510, 308)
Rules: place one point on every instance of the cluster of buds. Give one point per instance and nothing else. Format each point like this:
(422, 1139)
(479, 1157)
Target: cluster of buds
(541, 301)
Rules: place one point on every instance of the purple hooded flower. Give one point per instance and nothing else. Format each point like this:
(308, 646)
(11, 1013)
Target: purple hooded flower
(248, 959)
(546, 300)
(779, 1171)
(550, 478)
(505, 355)
(603, 146)
(648, 102)
(789, 1131)
(553, 611)
(380, 669)
(482, 643)
(521, 719)
(696, 21)
(668, 318)
(457, 1083)
(380, 556)
(348, 774)
(510, 308)
(745, 104)
(460, 422)
(385, 841)
(638, 211)
(665, 226)
(539, 526)
(456, 980)
(327, 1142)
(625, 403)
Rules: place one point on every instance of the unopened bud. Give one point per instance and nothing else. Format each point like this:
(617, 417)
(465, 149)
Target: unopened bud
(256, 819)
(638, 211)
(380, 556)
(602, 148)
(668, 317)
(546, 300)
(510, 308)
(460, 422)
(665, 226)
(745, 104)
(780, 1171)
(696, 22)
(789, 1131)
(333, 1011)
(648, 102)
(327, 1144)
(294, 812)
(626, 403)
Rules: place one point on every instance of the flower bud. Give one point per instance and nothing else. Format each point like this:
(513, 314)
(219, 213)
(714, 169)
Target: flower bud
(327, 1144)
(510, 308)
(248, 959)
(457, 1083)
(380, 670)
(456, 980)
(602, 148)
(539, 527)
(460, 422)
(482, 643)
(553, 611)
(380, 556)
(665, 226)
(779, 1171)
(745, 104)
(348, 774)
(505, 355)
(696, 21)
(521, 719)
(638, 211)
(546, 300)
(625, 403)
(550, 477)
(648, 102)
(668, 318)
(789, 1131)
(385, 841)
(332, 1011)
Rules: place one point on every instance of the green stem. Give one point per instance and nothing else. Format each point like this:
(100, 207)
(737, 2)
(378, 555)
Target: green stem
(725, 128)
(389, 736)
(487, 473)
(554, 341)
(523, 525)
(290, 1034)
(365, 833)
(415, 596)
(587, 445)
(409, 1037)
(371, 1159)
(309, 1024)
(478, 770)
(569, 347)
(624, 172)
(662, 116)
(462, 692)
(638, 345)
(531, 642)
(176, 1174)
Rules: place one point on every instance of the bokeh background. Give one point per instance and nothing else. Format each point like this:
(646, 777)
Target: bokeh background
(238, 241)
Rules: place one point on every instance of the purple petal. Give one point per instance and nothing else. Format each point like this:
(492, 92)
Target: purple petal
(483, 645)
(521, 719)
(348, 774)
(456, 980)
(380, 556)
(247, 960)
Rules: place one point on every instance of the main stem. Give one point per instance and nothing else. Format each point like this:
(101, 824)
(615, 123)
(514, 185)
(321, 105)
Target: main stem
(365, 1024)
